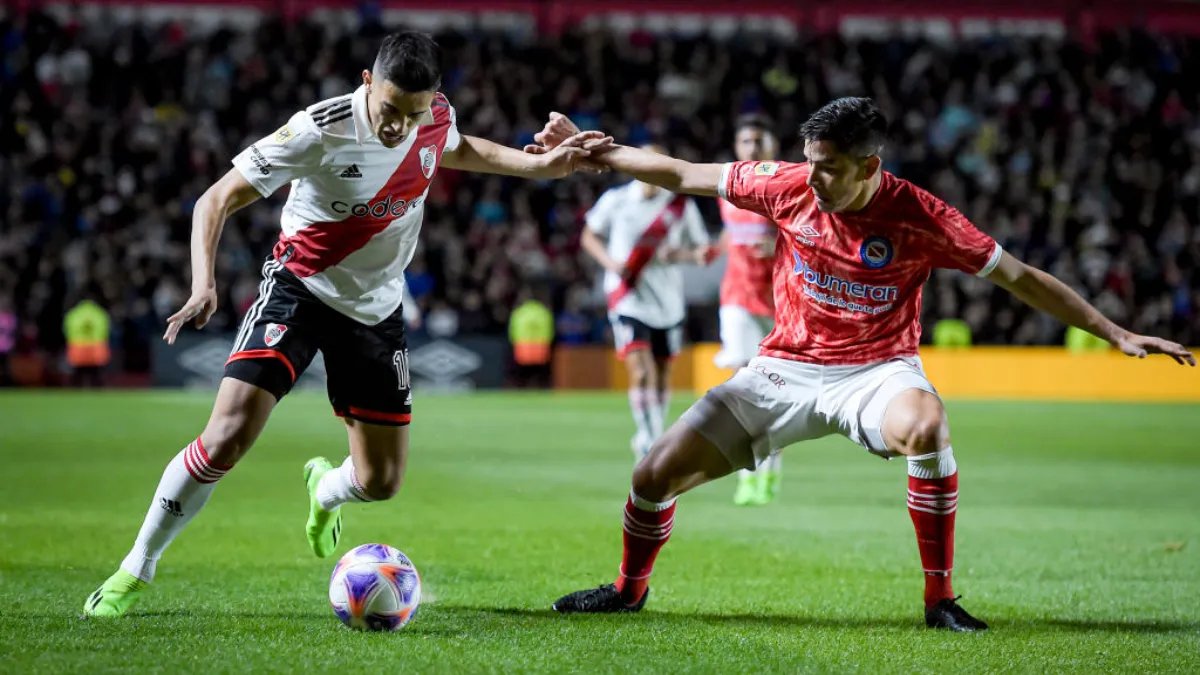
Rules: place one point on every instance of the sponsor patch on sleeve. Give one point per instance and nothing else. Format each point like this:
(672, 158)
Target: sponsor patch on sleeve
(765, 168)
(284, 135)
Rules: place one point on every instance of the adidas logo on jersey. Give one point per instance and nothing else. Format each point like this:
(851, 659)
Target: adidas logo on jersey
(351, 172)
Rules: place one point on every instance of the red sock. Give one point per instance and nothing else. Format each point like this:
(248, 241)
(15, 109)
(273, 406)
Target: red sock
(932, 503)
(645, 533)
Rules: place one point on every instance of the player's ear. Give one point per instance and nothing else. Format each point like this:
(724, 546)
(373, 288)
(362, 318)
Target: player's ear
(366, 77)
(871, 166)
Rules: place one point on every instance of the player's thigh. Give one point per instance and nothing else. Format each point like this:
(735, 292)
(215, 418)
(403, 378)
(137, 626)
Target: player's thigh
(681, 459)
(279, 335)
(767, 405)
(238, 416)
(878, 405)
(367, 371)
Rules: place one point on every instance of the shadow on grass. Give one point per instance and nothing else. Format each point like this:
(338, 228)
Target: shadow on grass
(802, 621)
(453, 620)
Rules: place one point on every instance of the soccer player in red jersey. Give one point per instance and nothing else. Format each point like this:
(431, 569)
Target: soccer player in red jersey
(359, 166)
(855, 246)
(747, 295)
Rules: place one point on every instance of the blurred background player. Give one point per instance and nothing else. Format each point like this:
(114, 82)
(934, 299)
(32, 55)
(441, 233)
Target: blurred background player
(842, 358)
(747, 295)
(640, 233)
(360, 166)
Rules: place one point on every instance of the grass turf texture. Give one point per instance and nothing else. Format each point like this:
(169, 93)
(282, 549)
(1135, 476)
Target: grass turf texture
(1078, 539)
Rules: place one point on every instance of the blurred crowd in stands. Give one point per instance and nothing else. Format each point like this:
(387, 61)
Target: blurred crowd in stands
(1081, 158)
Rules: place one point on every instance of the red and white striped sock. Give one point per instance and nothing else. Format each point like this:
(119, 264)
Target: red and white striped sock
(339, 486)
(647, 527)
(932, 503)
(186, 485)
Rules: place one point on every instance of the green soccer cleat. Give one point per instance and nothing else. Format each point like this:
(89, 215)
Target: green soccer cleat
(748, 488)
(324, 527)
(768, 486)
(115, 596)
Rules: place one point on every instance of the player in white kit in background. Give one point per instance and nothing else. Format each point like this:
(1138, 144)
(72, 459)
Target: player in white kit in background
(359, 166)
(640, 233)
(747, 294)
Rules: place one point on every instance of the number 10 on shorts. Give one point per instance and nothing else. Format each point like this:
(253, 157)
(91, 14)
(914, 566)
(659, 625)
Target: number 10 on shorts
(400, 362)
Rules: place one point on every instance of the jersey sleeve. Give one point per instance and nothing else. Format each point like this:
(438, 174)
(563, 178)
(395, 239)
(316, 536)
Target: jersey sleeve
(957, 244)
(291, 152)
(762, 187)
(694, 231)
(453, 138)
(599, 218)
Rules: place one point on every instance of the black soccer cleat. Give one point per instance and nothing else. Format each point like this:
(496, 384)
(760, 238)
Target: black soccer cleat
(950, 615)
(603, 600)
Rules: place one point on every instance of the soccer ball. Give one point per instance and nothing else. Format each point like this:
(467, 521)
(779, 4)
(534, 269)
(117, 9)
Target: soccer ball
(375, 587)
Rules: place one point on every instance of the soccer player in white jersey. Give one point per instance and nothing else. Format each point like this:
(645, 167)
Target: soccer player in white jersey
(359, 166)
(857, 244)
(747, 295)
(639, 233)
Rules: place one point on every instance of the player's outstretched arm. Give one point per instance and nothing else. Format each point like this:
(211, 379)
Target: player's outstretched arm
(1044, 292)
(673, 174)
(217, 203)
(484, 156)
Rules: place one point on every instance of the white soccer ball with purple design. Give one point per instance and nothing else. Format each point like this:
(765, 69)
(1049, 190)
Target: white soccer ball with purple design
(375, 587)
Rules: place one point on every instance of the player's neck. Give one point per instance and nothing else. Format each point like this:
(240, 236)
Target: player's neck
(867, 195)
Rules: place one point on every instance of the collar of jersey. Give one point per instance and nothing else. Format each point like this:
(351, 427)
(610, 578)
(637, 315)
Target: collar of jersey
(362, 125)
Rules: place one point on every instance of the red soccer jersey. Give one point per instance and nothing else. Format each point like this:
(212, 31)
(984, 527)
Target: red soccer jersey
(848, 285)
(748, 272)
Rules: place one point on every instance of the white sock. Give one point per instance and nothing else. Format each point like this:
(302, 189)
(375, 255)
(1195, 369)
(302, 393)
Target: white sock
(664, 404)
(186, 485)
(339, 486)
(639, 405)
(773, 462)
(938, 464)
(654, 412)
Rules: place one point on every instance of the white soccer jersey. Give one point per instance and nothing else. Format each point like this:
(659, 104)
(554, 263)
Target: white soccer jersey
(351, 222)
(636, 228)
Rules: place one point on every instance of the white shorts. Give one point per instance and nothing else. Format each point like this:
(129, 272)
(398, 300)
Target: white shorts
(741, 333)
(778, 402)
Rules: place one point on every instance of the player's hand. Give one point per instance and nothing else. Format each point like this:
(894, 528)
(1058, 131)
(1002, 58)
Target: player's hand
(556, 132)
(705, 255)
(571, 154)
(1142, 345)
(764, 249)
(558, 129)
(199, 307)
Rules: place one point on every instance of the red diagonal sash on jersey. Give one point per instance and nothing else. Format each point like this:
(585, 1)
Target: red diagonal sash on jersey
(645, 248)
(320, 246)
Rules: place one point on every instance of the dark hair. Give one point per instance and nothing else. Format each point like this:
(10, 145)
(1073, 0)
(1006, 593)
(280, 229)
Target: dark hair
(410, 60)
(756, 121)
(855, 125)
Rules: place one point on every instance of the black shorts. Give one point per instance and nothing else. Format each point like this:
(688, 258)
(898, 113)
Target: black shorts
(630, 335)
(366, 366)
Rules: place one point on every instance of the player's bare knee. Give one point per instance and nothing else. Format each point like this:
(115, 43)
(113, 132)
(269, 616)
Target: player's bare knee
(925, 433)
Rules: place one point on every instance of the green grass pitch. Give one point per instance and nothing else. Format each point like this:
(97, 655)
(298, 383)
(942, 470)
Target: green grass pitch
(1078, 539)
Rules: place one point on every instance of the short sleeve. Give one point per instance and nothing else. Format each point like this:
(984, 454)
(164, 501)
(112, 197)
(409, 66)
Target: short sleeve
(694, 231)
(958, 244)
(453, 138)
(599, 218)
(762, 187)
(291, 152)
